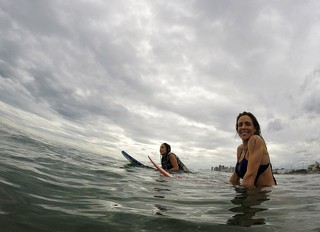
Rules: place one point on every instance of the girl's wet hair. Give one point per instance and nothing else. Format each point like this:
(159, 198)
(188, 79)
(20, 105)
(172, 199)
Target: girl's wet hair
(168, 147)
(254, 121)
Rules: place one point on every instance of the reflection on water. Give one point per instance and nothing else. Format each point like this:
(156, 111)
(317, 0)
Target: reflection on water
(160, 209)
(248, 204)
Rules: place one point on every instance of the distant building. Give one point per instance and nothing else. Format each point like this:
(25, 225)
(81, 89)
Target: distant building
(222, 168)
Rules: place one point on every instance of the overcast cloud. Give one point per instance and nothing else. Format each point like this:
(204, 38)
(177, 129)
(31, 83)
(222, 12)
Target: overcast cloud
(129, 75)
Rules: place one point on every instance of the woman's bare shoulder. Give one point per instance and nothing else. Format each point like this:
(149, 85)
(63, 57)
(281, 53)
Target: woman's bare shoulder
(255, 140)
(240, 147)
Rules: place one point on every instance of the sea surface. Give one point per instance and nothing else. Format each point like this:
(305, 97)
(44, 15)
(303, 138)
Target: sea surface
(50, 186)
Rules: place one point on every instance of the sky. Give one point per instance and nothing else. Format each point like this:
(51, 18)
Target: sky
(131, 74)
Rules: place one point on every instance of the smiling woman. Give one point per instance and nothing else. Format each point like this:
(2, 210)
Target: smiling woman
(253, 161)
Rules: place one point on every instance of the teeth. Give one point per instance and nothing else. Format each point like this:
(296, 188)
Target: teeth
(244, 132)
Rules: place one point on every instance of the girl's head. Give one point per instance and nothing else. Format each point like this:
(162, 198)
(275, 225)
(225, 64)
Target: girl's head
(165, 149)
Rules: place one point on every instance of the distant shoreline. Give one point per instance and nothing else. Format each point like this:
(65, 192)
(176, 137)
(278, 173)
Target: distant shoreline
(294, 171)
(312, 169)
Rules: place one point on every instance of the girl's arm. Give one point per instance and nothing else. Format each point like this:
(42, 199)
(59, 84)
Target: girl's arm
(174, 163)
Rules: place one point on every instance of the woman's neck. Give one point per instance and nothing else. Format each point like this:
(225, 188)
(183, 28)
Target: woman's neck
(245, 143)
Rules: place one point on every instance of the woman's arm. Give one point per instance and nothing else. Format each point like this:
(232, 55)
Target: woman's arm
(255, 148)
(235, 179)
(174, 163)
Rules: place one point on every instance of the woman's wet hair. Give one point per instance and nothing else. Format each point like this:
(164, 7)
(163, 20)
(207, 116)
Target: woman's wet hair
(254, 121)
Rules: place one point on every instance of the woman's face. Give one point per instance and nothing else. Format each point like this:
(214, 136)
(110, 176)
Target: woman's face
(245, 127)
(163, 149)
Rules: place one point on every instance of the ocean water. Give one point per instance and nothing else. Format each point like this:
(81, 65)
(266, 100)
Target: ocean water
(47, 186)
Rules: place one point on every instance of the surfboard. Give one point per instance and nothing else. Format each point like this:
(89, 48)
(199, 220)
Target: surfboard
(131, 159)
(161, 170)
